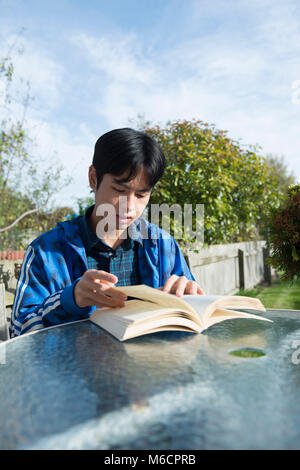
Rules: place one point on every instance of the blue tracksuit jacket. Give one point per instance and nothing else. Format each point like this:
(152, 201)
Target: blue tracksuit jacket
(56, 260)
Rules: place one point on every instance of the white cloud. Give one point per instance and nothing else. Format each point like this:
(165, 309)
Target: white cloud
(35, 65)
(120, 58)
(74, 153)
(240, 80)
(280, 26)
(244, 87)
(51, 139)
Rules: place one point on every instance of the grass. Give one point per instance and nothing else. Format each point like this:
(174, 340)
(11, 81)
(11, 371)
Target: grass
(281, 294)
(247, 352)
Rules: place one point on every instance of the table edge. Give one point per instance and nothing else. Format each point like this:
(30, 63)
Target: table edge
(30, 333)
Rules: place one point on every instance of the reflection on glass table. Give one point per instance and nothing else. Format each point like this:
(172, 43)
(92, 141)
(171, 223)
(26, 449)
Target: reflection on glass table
(77, 387)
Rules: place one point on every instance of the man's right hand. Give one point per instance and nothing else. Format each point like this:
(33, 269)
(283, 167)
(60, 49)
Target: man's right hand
(96, 288)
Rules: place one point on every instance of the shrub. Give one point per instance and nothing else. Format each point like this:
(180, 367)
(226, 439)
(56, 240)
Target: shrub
(284, 236)
(205, 166)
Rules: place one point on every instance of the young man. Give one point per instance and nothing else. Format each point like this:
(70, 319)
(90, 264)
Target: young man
(76, 267)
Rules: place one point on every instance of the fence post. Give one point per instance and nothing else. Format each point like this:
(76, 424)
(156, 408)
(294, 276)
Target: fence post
(267, 267)
(241, 269)
(3, 322)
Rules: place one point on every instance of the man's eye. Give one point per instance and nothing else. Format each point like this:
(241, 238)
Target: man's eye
(119, 190)
(139, 196)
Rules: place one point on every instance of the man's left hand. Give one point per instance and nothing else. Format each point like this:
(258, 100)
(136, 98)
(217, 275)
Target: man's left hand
(180, 285)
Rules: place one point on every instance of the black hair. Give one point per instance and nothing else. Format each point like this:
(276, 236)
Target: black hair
(127, 149)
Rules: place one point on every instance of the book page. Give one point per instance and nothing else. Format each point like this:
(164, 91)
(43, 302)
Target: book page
(200, 303)
(133, 311)
(221, 314)
(207, 305)
(140, 317)
(136, 311)
(157, 296)
(195, 304)
(202, 306)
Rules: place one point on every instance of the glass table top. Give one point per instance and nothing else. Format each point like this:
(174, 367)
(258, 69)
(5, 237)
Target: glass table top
(77, 387)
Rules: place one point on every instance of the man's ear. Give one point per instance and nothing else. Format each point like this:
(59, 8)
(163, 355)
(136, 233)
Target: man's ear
(93, 178)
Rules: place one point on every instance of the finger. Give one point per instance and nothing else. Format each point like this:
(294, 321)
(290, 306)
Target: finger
(199, 290)
(98, 275)
(106, 281)
(108, 291)
(179, 286)
(88, 293)
(113, 292)
(169, 283)
(102, 302)
(99, 299)
(191, 288)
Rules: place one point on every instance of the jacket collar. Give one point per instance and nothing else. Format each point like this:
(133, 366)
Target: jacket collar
(140, 229)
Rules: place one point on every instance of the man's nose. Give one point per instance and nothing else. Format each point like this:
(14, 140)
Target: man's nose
(131, 200)
(127, 205)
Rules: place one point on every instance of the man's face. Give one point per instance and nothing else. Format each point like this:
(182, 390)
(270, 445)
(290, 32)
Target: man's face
(128, 200)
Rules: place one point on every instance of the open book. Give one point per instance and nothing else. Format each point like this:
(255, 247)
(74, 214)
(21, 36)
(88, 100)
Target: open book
(153, 310)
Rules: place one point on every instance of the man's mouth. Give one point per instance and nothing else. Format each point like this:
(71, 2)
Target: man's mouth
(123, 218)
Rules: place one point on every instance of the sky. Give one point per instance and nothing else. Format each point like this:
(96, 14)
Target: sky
(94, 66)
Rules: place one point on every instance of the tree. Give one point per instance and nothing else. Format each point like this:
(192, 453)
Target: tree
(24, 190)
(205, 166)
(84, 203)
(285, 177)
(284, 235)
